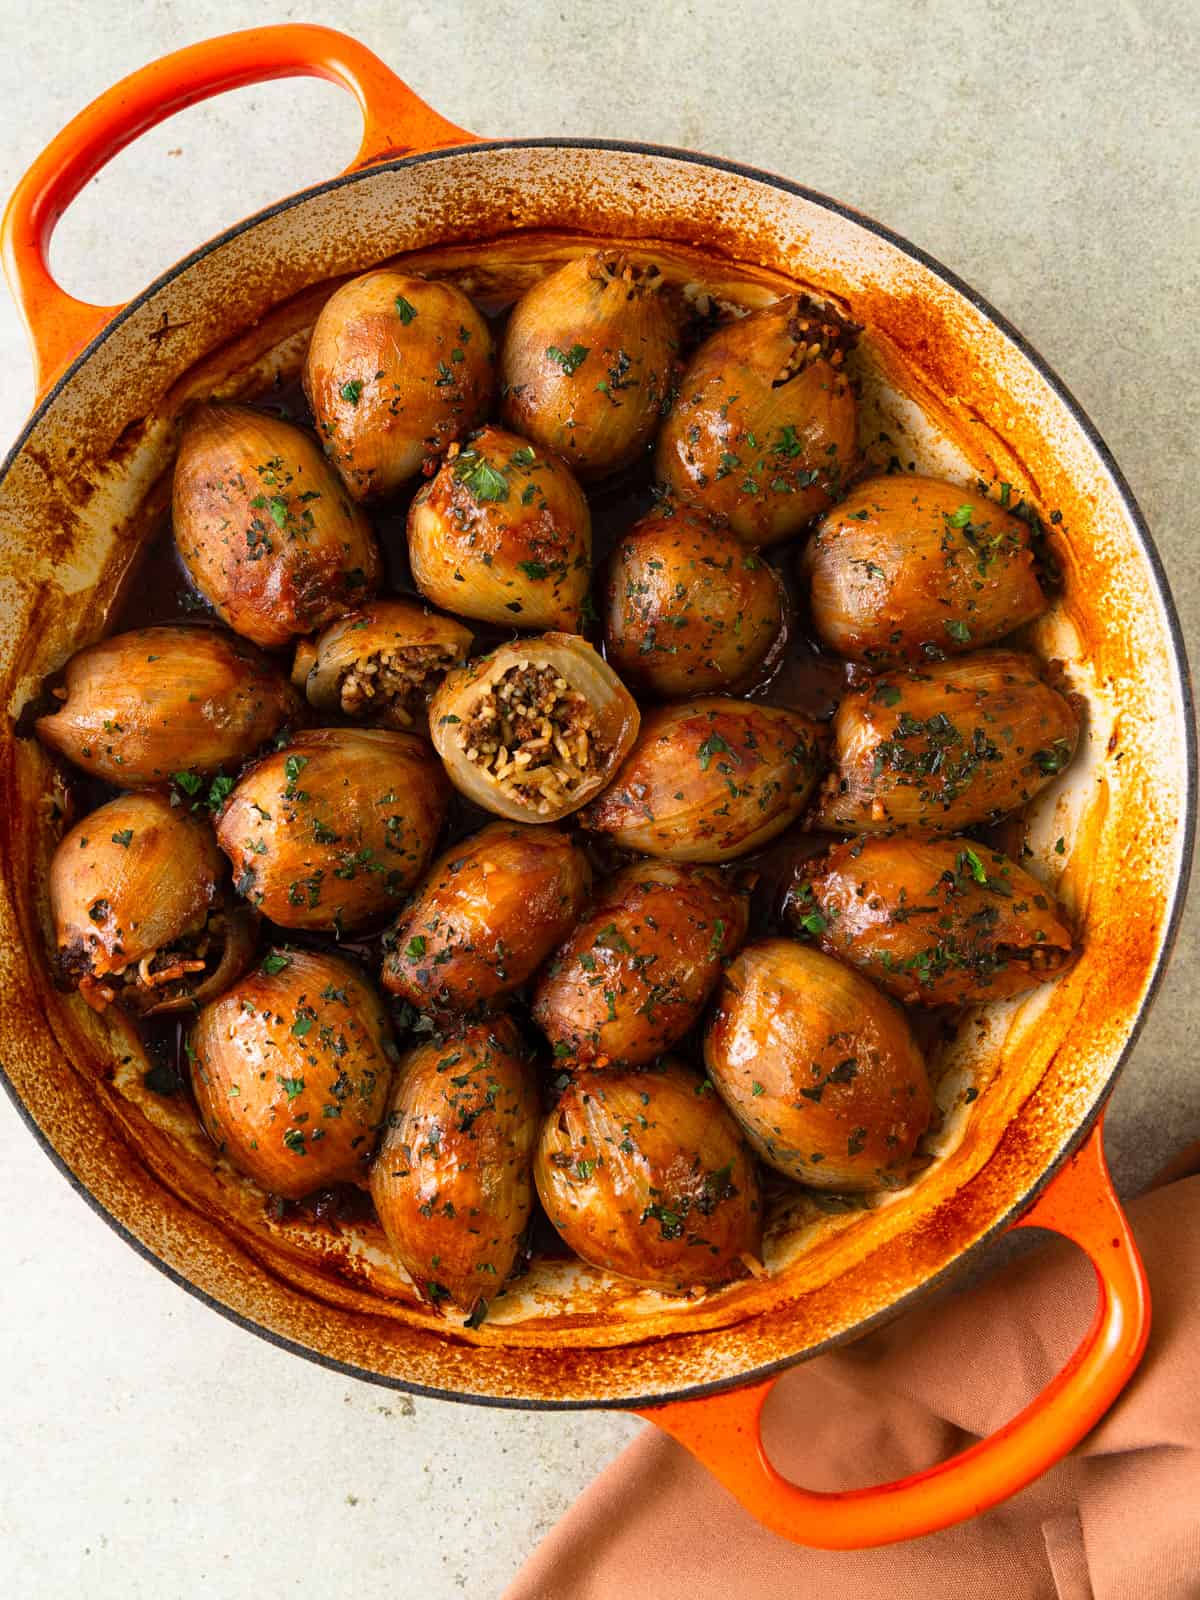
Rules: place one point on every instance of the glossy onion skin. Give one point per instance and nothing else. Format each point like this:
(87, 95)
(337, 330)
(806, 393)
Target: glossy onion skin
(689, 609)
(673, 797)
(598, 398)
(142, 705)
(503, 534)
(135, 876)
(398, 367)
(767, 455)
(453, 1181)
(583, 669)
(265, 528)
(487, 915)
(333, 830)
(391, 625)
(291, 1071)
(820, 1069)
(940, 748)
(636, 972)
(914, 916)
(909, 568)
(645, 1174)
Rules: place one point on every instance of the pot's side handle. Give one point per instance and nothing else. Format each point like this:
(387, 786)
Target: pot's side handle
(395, 122)
(724, 1432)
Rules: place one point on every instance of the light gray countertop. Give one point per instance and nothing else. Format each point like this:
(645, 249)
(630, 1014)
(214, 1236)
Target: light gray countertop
(1048, 154)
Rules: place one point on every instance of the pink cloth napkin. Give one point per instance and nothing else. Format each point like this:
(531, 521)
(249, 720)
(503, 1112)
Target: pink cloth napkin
(1117, 1520)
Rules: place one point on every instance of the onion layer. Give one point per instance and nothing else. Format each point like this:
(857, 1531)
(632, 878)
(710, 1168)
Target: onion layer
(291, 1071)
(488, 914)
(645, 1174)
(139, 898)
(587, 361)
(710, 780)
(382, 663)
(934, 922)
(143, 705)
(763, 431)
(333, 830)
(945, 747)
(397, 368)
(818, 1067)
(690, 609)
(634, 975)
(910, 569)
(264, 527)
(503, 534)
(453, 1183)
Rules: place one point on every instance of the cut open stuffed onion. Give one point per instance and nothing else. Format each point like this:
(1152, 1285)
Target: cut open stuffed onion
(381, 664)
(535, 729)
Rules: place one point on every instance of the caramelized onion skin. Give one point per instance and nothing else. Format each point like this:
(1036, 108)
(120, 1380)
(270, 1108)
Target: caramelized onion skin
(583, 669)
(503, 534)
(635, 974)
(673, 797)
(133, 876)
(398, 367)
(937, 749)
(333, 830)
(937, 922)
(382, 626)
(645, 1174)
(140, 706)
(291, 1071)
(587, 362)
(689, 609)
(763, 431)
(490, 911)
(819, 1068)
(265, 528)
(453, 1181)
(906, 568)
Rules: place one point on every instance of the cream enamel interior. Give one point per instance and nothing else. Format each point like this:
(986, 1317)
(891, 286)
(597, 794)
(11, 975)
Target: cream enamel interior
(957, 396)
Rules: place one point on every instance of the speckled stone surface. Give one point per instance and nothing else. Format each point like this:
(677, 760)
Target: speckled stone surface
(1048, 155)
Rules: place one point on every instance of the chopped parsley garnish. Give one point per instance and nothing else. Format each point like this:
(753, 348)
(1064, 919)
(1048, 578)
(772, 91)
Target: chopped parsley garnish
(713, 745)
(352, 391)
(405, 310)
(486, 482)
(569, 360)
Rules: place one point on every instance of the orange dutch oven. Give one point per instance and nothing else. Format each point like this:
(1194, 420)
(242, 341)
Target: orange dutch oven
(87, 483)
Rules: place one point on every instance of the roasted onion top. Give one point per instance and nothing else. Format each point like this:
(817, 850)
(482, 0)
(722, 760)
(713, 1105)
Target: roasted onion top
(646, 1174)
(909, 569)
(291, 1070)
(710, 780)
(142, 706)
(265, 529)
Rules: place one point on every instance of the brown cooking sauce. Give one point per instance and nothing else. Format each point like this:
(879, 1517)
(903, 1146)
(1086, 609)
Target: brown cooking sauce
(800, 676)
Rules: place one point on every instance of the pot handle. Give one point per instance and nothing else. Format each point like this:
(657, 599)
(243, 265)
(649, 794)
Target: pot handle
(395, 123)
(724, 1433)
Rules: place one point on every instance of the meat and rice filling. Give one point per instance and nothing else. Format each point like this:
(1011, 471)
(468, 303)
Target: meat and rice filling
(394, 686)
(535, 735)
(170, 973)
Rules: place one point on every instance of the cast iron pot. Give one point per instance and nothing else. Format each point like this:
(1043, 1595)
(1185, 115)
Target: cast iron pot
(87, 481)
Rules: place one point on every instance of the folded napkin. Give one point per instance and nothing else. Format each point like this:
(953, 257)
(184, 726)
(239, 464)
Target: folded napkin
(1119, 1519)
